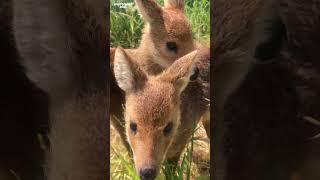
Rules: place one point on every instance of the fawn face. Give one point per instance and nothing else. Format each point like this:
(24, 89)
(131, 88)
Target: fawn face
(168, 34)
(152, 109)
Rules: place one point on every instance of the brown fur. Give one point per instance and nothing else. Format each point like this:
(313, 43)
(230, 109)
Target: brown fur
(78, 128)
(79, 141)
(156, 102)
(234, 44)
(62, 56)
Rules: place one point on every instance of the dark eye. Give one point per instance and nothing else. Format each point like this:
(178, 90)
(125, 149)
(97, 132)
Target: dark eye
(168, 128)
(133, 127)
(172, 46)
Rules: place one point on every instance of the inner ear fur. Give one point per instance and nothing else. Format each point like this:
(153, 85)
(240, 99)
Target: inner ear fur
(129, 76)
(150, 11)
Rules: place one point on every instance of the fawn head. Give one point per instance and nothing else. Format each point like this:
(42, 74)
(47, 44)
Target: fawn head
(167, 33)
(152, 108)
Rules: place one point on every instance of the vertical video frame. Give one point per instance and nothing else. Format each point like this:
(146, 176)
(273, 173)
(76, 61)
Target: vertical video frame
(160, 89)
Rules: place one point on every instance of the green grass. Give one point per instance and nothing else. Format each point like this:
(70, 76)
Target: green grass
(198, 13)
(126, 24)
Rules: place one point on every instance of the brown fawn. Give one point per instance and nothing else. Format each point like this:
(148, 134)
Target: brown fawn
(160, 110)
(167, 36)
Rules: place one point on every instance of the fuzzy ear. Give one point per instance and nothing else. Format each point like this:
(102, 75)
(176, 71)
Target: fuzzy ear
(178, 4)
(128, 75)
(180, 71)
(149, 10)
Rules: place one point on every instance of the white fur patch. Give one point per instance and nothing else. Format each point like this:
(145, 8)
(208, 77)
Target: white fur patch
(122, 71)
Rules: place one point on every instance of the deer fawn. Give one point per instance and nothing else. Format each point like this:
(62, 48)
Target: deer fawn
(167, 36)
(159, 120)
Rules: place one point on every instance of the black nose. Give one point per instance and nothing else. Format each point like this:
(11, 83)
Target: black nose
(147, 174)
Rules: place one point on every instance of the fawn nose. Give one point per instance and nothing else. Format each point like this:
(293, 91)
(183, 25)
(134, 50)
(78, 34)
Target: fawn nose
(147, 174)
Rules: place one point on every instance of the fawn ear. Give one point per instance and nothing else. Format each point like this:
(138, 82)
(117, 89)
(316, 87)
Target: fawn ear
(150, 10)
(128, 75)
(178, 4)
(180, 71)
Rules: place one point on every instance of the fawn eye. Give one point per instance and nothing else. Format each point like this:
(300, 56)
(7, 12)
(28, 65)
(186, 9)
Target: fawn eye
(172, 46)
(133, 127)
(168, 128)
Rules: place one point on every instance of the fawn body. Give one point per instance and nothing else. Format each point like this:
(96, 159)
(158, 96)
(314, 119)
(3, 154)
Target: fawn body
(167, 36)
(160, 110)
